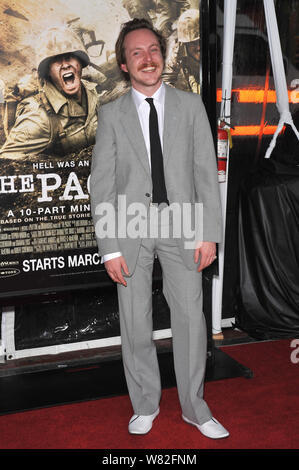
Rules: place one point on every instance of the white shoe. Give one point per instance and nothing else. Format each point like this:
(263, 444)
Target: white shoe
(211, 428)
(142, 424)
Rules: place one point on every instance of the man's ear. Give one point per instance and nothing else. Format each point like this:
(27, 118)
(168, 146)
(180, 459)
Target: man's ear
(124, 68)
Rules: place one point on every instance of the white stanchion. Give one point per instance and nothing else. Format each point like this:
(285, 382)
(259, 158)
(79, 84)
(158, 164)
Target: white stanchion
(230, 7)
(282, 98)
(2, 342)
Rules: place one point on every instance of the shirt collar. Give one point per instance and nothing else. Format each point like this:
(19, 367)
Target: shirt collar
(158, 96)
(58, 100)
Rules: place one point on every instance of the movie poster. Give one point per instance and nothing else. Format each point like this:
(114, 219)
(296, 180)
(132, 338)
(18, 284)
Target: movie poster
(48, 123)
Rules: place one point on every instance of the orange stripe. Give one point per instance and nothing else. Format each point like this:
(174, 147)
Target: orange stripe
(252, 130)
(253, 95)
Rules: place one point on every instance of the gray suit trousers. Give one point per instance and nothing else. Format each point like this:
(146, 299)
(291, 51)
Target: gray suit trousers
(183, 292)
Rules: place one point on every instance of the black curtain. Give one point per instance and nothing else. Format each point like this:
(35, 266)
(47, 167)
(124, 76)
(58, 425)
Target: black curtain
(268, 304)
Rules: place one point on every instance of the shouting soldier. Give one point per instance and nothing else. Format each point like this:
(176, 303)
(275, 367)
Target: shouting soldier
(59, 114)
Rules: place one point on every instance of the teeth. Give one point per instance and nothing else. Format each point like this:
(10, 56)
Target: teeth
(149, 69)
(68, 75)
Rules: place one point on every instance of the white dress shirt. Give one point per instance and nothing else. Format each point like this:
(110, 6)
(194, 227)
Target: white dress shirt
(143, 110)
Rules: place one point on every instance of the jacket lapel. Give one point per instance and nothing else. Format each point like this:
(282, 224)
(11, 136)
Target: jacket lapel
(132, 127)
(171, 121)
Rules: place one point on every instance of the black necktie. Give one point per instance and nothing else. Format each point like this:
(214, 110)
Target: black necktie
(159, 188)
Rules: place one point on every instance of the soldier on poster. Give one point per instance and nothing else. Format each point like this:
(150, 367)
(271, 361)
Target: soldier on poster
(57, 112)
(166, 14)
(139, 8)
(183, 62)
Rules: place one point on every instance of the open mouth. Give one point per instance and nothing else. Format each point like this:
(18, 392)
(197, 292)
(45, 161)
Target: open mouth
(68, 78)
(70, 82)
(148, 68)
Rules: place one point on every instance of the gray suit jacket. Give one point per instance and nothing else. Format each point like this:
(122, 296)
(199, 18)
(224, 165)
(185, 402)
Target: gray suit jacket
(120, 167)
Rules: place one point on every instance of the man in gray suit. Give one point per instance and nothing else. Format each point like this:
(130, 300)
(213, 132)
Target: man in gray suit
(154, 157)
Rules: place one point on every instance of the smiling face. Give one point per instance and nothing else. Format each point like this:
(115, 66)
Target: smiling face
(144, 61)
(65, 72)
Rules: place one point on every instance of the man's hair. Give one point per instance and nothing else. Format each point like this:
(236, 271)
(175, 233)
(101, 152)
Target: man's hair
(127, 28)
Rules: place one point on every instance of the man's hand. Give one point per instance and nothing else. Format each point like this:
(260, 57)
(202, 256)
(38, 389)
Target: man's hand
(116, 267)
(207, 253)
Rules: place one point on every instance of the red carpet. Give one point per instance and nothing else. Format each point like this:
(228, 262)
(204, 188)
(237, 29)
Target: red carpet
(260, 413)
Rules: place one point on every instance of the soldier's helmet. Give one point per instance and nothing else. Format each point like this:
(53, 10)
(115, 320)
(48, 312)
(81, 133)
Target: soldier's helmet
(188, 26)
(57, 41)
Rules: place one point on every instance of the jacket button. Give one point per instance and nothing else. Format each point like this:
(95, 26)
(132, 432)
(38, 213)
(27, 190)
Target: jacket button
(147, 194)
